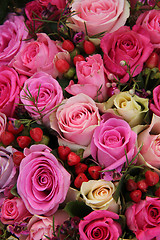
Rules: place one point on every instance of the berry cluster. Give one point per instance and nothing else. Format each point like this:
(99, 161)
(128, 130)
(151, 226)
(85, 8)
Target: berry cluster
(139, 188)
(82, 171)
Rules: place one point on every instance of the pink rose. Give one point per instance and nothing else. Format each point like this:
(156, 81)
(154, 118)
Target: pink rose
(75, 120)
(42, 182)
(60, 4)
(110, 140)
(39, 55)
(155, 106)
(3, 123)
(143, 218)
(125, 45)
(149, 22)
(47, 90)
(150, 138)
(98, 15)
(91, 79)
(12, 33)
(100, 224)
(9, 88)
(13, 211)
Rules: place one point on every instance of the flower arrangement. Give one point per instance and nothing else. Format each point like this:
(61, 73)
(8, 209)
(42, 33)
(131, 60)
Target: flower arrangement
(80, 119)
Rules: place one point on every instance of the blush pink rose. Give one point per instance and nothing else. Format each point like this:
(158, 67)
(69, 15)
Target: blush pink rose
(91, 79)
(39, 55)
(125, 45)
(10, 88)
(98, 15)
(47, 90)
(75, 120)
(14, 211)
(110, 140)
(150, 138)
(149, 22)
(155, 106)
(143, 218)
(13, 32)
(42, 182)
(100, 225)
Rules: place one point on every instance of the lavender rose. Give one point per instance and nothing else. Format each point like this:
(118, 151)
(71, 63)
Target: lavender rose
(125, 45)
(110, 140)
(100, 224)
(42, 182)
(12, 33)
(143, 218)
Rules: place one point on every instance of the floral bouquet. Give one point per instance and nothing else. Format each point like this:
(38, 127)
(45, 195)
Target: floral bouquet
(80, 119)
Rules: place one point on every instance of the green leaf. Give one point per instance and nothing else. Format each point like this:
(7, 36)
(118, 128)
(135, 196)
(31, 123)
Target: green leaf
(77, 208)
(14, 191)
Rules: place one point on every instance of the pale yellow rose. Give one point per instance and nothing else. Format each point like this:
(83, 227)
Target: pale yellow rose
(98, 194)
(132, 108)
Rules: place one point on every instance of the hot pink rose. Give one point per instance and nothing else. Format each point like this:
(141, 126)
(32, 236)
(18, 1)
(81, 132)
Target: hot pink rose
(13, 211)
(150, 138)
(110, 140)
(143, 218)
(149, 22)
(99, 15)
(12, 33)
(9, 88)
(39, 55)
(100, 224)
(42, 182)
(125, 45)
(47, 90)
(60, 4)
(155, 106)
(75, 120)
(91, 79)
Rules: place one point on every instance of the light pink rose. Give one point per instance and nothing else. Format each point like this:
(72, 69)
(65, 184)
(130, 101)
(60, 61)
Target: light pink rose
(13, 32)
(42, 182)
(47, 90)
(100, 224)
(149, 22)
(10, 88)
(91, 79)
(3, 122)
(40, 226)
(110, 140)
(76, 119)
(143, 218)
(150, 138)
(39, 55)
(99, 15)
(125, 45)
(155, 106)
(14, 211)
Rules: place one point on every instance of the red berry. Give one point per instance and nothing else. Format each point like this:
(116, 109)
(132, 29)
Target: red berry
(68, 45)
(36, 134)
(152, 178)
(17, 157)
(80, 167)
(131, 185)
(62, 65)
(157, 192)
(136, 195)
(152, 61)
(13, 129)
(89, 47)
(80, 179)
(78, 58)
(63, 152)
(94, 171)
(23, 141)
(7, 138)
(142, 185)
(73, 159)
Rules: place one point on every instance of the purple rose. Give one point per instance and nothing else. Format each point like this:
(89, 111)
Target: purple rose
(110, 140)
(42, 182)
(100, 225)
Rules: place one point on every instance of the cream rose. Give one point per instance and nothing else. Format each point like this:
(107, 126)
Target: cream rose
(98, 194)
(131, 108)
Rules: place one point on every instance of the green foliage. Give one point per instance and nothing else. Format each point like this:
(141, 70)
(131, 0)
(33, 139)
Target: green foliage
(77, 208)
